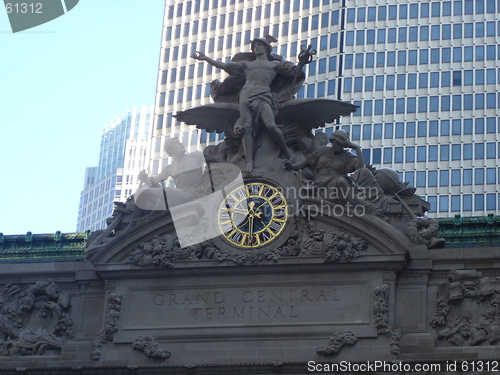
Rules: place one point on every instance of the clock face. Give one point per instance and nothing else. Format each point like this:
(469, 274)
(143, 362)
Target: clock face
(252, 215)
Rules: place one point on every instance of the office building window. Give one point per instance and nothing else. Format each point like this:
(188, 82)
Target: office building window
(491, 125)
(444, 203)
(490, 150)
(369, 84)
(467, 151)
(356, 132)
(445, 79)
(400, 130)
(372, 13)
(479, 151)
(435, 9)
(410, 178)
(398, 155)
(444, 178)
(331, 87)
(321, 89)
(444, 152)
(479, 126)
(421, 153)
(389, 82)
(410, 129)
(467, 202)
(455, 203)
(432, 179)
(388, 155)
(456, 127)
(377, 156)
(491, 201)
(433, 203)
(479, 202)
(433, 153)
(421, 179)
(411, 106)
(491, 177)
(467, 177)
(424, 56)
(389, 106)
(348, 61)
(359, 60)
(410, 154)
(433, 128)
(479, 176)
(389, 131)
(455, 177)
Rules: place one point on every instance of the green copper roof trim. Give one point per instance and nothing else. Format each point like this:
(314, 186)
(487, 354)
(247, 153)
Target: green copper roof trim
(467, 231)
(458, 231)
(43, 247)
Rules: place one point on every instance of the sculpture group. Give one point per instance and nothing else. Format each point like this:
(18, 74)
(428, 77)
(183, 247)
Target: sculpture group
(271, 136)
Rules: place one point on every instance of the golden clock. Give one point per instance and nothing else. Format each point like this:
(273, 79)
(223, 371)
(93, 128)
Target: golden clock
(253, 215)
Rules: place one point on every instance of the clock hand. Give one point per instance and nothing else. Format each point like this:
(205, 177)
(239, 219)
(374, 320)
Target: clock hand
(257, 212)
(239, 211)
(251, 228)
(251, 205)
(239, 225)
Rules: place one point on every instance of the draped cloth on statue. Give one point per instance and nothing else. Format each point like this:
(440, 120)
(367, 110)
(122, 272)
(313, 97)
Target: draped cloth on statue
(285, 85)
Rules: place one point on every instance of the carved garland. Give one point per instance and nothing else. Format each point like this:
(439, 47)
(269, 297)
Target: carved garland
(148, 345)
(111, 327)
(336, 246)
(381, 312)
(337, 343)
(34, 319)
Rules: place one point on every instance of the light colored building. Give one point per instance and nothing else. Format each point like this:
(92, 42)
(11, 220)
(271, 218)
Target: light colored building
(125, 151)
(425, 74)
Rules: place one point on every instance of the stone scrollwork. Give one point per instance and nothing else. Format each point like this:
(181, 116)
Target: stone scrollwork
(468, 309)
(337, 343)
(111, 327)
(148, 345)
(34, 319)
(381, 312)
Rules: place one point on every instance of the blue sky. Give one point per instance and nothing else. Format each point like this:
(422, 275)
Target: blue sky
(60, 83)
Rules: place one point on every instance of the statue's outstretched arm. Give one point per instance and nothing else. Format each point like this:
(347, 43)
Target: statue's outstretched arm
(163, 175)
(228, 67)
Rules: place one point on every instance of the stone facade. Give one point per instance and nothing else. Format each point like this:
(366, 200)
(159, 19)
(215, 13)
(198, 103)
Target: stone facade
(106, 314)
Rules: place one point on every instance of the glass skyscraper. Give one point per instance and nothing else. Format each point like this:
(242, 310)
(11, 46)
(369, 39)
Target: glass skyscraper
(424, 73)
(125, 151)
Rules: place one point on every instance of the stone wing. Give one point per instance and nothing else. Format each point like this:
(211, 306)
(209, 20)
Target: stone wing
(313, 113)
(217, 117)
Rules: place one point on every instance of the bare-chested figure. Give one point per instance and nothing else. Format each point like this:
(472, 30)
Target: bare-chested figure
(186, 170)
(256, 100)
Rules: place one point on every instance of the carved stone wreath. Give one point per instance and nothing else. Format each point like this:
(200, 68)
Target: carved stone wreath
(34, 319)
